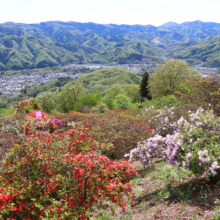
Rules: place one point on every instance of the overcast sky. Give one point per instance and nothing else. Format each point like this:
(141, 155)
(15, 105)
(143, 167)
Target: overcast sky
(155, 12)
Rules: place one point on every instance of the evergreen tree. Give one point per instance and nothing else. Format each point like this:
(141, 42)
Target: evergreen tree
(144, 92)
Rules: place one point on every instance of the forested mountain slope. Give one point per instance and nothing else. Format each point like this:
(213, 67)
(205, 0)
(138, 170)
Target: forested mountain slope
(55, 42)
(207, 51)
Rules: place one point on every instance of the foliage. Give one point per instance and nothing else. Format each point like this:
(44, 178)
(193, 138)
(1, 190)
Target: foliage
(63, 101)
(122, 102)
(53, 43)
(122, 129)
(144, 91)
(48, 101)
(194, 144)
(39, 51)
(128, 52)
(203, 93)
(168, 77)
(59, 175)
(3, 103)
(4, 111)
(73, 95)
(100, 80)
(87, 100)
(160, 102)
(100, 108)
(161, 119)
(46, 87)
(10, 128)
(130, 90)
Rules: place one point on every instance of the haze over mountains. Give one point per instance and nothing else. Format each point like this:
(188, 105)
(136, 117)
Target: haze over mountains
(54, 42)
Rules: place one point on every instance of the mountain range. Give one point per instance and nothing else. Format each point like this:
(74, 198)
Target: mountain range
(54, 42)
(206, 51)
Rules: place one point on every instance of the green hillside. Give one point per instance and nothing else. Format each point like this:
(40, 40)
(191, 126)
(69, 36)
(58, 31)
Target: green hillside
(129, 52)
(206, 51)
(30, 52)
(101, 80)
(77, 32)
(26, 52)
(24, 46)
(6, 31)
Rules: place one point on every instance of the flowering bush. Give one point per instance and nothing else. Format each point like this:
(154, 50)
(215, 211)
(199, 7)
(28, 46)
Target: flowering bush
(122, 129)
(60, 175)
(11, 127)
(194, 144)
(161, 119)
(203, 92)
(70, 117)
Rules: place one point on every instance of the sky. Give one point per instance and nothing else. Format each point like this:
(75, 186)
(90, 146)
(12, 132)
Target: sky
(154, 12)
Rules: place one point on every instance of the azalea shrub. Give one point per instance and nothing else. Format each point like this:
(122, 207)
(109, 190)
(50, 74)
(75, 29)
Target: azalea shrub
(68, 118)
(61, 175)
(11, 127)
(194, 144)
(123, 129)
(161, 119)
(203, 92)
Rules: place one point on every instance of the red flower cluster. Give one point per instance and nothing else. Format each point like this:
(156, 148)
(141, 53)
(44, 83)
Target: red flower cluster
(61, 175)
(24, 103)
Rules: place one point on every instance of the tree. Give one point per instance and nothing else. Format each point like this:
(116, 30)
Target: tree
(69, 95)
(123, 102)
(87, 100)
(168, 77)
(48, 101)
(114, 90)
(132, 91)
(144, 91)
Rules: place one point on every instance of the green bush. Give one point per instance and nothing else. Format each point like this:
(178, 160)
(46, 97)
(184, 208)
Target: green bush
(100, 108)
(160, 102)
(4, 111)
(123, 102)
(86, 100)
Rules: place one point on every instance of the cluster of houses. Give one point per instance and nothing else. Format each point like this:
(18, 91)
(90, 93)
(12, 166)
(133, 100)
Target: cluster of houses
(205, 70)
(13, 84)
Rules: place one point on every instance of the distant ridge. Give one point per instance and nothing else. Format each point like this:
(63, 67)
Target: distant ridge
(169, 32)
(74, 42)
(169, 24)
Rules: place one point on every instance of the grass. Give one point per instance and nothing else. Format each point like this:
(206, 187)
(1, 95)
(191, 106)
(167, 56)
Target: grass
(167, 192)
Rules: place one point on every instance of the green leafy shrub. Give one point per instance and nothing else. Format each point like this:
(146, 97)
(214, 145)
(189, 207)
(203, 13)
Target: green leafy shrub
(86, 101)
(100, 108)
(160, 102)
(203, 93)
(4, 111)
(123, 102)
